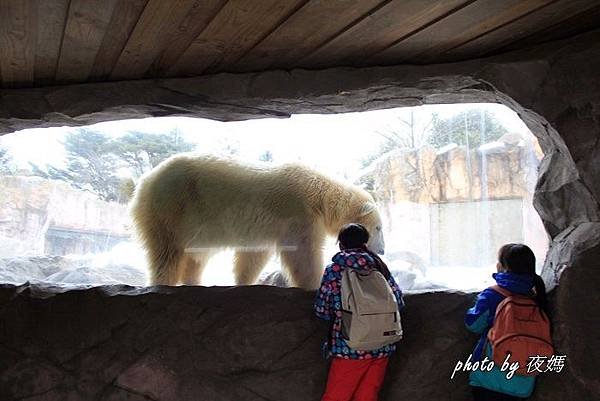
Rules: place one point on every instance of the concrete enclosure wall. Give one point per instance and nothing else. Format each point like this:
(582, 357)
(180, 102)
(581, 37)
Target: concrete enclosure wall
(478, 243)
(555, 89)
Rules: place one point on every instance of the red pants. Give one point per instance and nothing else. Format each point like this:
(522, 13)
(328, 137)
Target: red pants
(355, 379)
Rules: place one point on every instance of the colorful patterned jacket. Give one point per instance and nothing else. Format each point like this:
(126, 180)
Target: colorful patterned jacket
(328, 304)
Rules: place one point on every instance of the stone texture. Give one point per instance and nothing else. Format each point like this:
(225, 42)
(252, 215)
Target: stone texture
(245, 343)
(567, 247)
(74, 270)
(578, 312)
(458, 174)
(40, 216)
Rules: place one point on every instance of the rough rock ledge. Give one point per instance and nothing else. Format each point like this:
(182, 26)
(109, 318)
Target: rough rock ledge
(215, 343)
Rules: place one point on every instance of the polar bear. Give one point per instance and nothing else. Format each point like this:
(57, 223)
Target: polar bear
(190, 207)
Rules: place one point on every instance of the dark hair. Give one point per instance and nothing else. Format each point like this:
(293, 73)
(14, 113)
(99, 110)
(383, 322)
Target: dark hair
(353, 236)
(356, 236)
(520, 259)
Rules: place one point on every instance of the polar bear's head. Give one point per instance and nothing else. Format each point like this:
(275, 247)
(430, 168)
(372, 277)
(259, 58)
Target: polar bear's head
(370, 218)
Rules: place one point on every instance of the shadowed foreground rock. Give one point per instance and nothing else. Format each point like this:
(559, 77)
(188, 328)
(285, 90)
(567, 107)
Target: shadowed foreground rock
(219, 343)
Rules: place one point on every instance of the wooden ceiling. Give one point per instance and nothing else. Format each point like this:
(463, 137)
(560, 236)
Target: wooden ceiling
(50, 42)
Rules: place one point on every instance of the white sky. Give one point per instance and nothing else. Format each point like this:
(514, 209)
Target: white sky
(335, 142)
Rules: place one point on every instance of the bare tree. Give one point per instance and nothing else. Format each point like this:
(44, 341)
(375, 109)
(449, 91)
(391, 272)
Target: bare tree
(407, 132)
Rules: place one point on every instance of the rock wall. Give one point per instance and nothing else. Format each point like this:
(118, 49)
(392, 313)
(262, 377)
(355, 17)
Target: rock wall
(216, 344)
(429, 175)
(40, 216)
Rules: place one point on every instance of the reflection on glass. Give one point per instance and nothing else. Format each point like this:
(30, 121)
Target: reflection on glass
(453, 183)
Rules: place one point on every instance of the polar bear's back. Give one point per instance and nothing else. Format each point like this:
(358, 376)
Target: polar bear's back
(215, 202)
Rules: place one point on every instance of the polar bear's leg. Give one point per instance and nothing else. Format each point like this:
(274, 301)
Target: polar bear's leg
(249, 264)
(191, 267)
(304, 269)
(163, 253)
(163, 266)
(304, 266)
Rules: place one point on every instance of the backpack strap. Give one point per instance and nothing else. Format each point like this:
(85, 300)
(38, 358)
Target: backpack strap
(501, 291)
(515, 298)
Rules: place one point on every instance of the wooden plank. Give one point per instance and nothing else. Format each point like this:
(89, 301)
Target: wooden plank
(151, 36)
(587, 20)
(17, 42)
(237, 28)
(459, 27)
(395, 20)
(51, 20)
(124, 18)
(292, 40)
(523, 27)
(191, 26)
(86, 24)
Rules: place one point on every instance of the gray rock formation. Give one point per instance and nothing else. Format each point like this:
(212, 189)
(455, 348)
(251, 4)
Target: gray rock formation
(277, 279)
(62, 270)
(21, 269)
(216, 344)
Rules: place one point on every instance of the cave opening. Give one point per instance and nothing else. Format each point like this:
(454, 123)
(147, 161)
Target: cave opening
(452, 183)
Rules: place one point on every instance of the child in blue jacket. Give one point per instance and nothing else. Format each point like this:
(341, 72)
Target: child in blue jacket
(516, 273)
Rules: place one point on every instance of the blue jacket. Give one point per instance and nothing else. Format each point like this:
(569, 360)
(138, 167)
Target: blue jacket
(328, 304)
(480, 318)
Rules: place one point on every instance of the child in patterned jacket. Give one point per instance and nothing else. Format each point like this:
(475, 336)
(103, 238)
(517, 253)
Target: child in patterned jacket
(354, 374)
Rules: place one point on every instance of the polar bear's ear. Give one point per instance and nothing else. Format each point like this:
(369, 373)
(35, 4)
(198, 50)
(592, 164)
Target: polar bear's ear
(366, 209)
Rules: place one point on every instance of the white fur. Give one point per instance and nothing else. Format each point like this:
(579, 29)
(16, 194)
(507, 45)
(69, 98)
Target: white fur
(204, 204)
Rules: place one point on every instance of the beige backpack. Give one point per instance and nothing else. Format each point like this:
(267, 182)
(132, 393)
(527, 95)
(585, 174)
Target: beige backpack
(370, 316)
